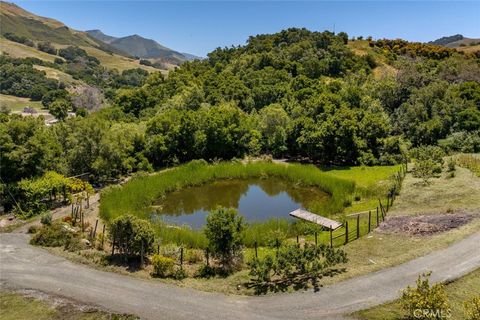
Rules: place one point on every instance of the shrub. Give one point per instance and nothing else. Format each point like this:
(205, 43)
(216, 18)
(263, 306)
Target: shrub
(303, 263)
(428, 162)
(472, 308)
(431, 300)
(205, 271)
(130, 234)
(46, 219)
(54, 235)
(162, 266)
(179, 274)
(451, 165)
(225, 232)
(32, 229)
(193, 256)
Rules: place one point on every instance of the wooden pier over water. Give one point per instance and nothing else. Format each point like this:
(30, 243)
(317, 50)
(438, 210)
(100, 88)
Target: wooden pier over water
(315, 218)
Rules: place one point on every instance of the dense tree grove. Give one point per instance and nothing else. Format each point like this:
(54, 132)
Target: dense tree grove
(295, 93)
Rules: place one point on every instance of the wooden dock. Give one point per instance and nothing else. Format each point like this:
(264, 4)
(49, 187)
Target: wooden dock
(315, 218)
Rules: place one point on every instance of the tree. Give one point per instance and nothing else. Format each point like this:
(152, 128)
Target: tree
(425, 301)
(131, 235)
(46, 47)
(273, 125)
(428, 162)
(225, 232)
(87, 97)
(59, 109)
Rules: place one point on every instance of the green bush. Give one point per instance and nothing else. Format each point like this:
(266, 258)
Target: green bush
(54, 235)
(130, 234)
(32, 229)
(425, 301)
(162, 266)
(46, 219)
(472, 308)
(225, 232)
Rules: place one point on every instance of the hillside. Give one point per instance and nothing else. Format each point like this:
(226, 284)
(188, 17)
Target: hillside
(456, 41)
(23, 24)
(141, 47)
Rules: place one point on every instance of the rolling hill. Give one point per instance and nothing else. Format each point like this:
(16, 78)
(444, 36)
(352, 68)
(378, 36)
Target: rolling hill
(141, 47)
(456, 41)
(21, 23)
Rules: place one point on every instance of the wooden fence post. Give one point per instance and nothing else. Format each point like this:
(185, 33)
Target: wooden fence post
(95, 230)
(346, 232)
(113, 247)
(103, 237)
(331, 237)
(181, 258)
(377, 217)
(297, 239)
(207, 255)
(358, 226)
(369, 219)
(141, 257)
(388, 202)
(256, 250)
(158, 249)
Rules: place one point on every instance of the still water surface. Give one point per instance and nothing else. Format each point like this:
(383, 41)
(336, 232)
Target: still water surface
(255, 199)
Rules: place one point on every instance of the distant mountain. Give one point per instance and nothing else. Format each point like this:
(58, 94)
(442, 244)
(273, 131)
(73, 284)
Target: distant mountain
(17, 21)
(455, 41)
(141, 47)
(99, 35)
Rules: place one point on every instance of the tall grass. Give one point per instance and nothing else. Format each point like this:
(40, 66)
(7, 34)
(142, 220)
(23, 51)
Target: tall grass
(137, 196)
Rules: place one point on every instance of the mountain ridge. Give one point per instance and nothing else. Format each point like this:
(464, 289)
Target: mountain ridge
(142, 47)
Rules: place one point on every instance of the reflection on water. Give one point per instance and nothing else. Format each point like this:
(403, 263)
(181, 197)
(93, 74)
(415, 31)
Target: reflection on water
(255, 199)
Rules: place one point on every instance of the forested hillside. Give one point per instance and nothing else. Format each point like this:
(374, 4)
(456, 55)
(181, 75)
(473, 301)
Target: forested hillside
(296, 93)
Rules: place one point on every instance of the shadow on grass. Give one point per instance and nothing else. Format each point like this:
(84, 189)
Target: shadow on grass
(295, 281)
(130, 263)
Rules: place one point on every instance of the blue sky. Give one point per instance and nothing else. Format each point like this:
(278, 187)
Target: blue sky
(200, 26)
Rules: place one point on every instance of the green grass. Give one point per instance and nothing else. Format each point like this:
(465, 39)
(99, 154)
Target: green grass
(458, 292)
(16, 104)
(137, 196)
(469, 161)
(14, 306)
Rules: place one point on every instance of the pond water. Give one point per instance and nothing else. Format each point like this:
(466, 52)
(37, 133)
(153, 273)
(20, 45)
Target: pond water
(255, 199)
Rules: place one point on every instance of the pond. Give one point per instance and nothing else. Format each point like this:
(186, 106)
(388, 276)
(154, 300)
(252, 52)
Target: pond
(255, 199)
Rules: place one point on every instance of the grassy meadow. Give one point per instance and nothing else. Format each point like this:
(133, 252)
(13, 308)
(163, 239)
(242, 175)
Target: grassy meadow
(16, 104)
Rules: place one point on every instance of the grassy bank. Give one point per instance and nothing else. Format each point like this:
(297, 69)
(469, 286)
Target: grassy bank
(350, 188)
(15, 306)
(458, 292)
(137, 196)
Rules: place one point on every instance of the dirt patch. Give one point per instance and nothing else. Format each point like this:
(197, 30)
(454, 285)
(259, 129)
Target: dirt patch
(426, 225)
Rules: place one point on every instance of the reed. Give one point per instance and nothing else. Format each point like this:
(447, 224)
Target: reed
(137, 196)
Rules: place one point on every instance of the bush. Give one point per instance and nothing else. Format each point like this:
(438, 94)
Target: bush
(295, 262)
(430, 300)
(46, 219)
(225, 232)
(472, 308)
(46, 47)
(130, 234)
(32, 229)
(428, 162)
(162, 266)
(54, 235)
(193, 256)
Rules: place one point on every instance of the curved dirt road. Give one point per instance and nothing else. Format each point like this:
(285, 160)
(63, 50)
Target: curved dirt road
(25, 266)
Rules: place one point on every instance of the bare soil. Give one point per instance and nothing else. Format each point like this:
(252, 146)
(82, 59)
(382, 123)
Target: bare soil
(426, 225)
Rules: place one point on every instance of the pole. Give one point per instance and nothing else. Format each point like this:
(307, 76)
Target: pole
(331, 237)
(95, 230)
(141, 257)
(256, 250)
(358, 226)
(369, 219)
(377, 216)
(103, 237)
(181, 258)
(346, 232)
(207, 256)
